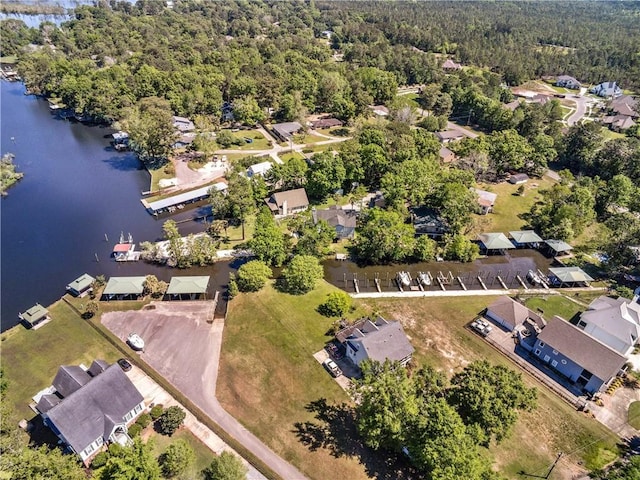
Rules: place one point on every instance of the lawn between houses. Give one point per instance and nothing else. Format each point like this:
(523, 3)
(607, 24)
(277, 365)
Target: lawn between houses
(268, 377)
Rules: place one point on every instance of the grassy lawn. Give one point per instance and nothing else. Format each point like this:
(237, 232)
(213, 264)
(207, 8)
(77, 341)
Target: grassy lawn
(331, 131)
(554, 305)
(509, 206)
(308, 138)
(285, 157)
(259, 141)
(235, 233)
(158, 174)
(31, 357)
(204, 456)
(9, 59)
(268, 374)
(634, 415)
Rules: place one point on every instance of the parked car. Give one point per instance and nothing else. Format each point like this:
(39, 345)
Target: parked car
(482, 326)
(332, 367)
(124, 364)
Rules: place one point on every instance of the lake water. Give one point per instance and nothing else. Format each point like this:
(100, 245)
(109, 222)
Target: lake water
(75, 190)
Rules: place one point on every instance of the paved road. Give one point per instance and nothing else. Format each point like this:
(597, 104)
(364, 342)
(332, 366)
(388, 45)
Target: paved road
(580, 111)
(466, 131)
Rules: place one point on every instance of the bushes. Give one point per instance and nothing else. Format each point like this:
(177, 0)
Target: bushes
(99, 460)
(156, 412)
(336, 305)
(144, 420)
(134, 430)
(252, 276)
(302, 273)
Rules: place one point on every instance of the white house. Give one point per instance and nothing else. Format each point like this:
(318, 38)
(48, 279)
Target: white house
(567, 82)
(259, 169)
(607, 90)
(90, 408)
(614, 322)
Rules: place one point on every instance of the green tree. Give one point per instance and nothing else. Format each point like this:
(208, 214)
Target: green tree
(238, 201)
(459, 247)
(326, 174)
(154, 287)
(425, 249)
(176, 459)
(225, 466)
(171, 419)
(381, 85)
(176, 248)
(490, 396)
(42, 464)
(337, 304)
(302, 274)
(150, 128)
(268, 242)
(455, 202)
(314, 238)
(509, 151)
(252, 276)
(131, 463)
(246, 110)
(91, 308)
(383, 237)
(387, 404)
(226, 139)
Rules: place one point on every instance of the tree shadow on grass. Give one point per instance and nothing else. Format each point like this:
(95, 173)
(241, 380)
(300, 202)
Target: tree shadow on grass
(334, 429)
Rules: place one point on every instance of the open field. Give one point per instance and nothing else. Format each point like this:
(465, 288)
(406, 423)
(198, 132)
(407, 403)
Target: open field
(259, 142)
(509, 206)
(268, 379)
(31, 357)
(158, 174)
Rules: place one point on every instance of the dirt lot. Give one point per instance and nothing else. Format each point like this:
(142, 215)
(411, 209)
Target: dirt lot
(179, 342)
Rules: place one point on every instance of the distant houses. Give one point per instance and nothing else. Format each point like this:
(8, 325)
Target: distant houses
(259, 169)
(82, 285)
(285, 131)
(90, 408)
(343, 221)
(449, 136)
(607, 90)
(623, 112)
(379, 110)
(451, 65)
(288, 202)
(567, 82)
(327, 123)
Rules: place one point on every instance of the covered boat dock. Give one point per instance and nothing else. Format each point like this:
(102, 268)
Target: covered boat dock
(558, 247)
(170, 203)
(188, 288)
(124, 288)
(525, 239)
(568, 276)
(81, 285)
(35, 317)
(494, 242)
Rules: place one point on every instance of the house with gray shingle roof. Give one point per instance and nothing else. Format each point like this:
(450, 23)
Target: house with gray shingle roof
(90, 409)
(377, 340)
(607, 90)
(576, 355)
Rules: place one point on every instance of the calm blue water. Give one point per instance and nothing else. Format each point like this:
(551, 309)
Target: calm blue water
(75, 189)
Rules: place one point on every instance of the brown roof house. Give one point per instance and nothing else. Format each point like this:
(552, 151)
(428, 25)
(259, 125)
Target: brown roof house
(377, 340)
(89, 408)
(576, 355)
(509, 314)
(343, 221)
(288, 202)
(486, 200)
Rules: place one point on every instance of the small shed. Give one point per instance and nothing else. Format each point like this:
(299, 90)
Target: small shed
(188, 288)
(558, 247)
(494, 242)
(81, 285)
(568, 276)
(35, 317)
(518, 178)
(486, 200)
(525, 239)
(123, 288)
(446, 155)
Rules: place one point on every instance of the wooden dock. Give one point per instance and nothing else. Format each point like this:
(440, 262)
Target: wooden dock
(481, 282)
(377, 282)
(524, 285)
(464, 287)
(502, 283)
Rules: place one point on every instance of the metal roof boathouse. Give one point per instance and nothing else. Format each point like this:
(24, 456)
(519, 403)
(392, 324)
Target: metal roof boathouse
(189, 288)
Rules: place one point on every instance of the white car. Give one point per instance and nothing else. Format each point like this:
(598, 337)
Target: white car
(482, 326)
(332, 367)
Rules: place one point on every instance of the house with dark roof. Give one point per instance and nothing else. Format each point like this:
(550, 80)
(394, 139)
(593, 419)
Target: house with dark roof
(343, 221)
(288, 202)
(576, 355)
(377, 340)
(426, 221)
(88, 409)
(327, 123)
(614, 322)
(509, 314)
(625, 105)
(449, 136)
(619, 123)
(607, 90)
(567, 82)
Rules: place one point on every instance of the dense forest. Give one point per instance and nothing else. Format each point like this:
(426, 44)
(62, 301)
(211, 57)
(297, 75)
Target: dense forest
(275, 55)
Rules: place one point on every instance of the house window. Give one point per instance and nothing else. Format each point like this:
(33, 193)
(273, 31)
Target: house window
(88, 450)
(128, 417)
(582, 323)
(138, 408)
(554, 364)
(564, 362)
(555, 352)
(537, 352)
(541, 344)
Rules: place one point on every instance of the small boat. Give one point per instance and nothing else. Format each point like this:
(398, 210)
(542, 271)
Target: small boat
(424, 279)
(403, 278)
(533, 277)
(135, 341)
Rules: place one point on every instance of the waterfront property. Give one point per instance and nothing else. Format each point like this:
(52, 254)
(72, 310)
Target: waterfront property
(426, 221)
(525, 239)
(188, 287)
(123, 288)
(343, 221)
(486, 200)
(377, 340)
(510, 314)
(35, 317)
(89, 408)
(614, 322)
(571, 276)
(590, 364)
(170, 203)
(81, 286)
(494, 243)
(288, 202)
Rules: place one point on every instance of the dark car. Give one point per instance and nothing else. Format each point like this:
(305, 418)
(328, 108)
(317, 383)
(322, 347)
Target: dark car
(124, 364)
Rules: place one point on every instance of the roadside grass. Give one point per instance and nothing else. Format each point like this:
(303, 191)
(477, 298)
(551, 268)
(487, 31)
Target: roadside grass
(285, 157)
(509, 206)
(204, 456)
(331, 131)
(268, 376)
(633, 417)
(259, 142)
(437, 330)
(307, 138)
(31, 357)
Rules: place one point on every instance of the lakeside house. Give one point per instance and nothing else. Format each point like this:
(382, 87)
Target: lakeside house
(82, 285)
(377, 340)
(35, 317)
(343, 221)
(426, 221)
(510, 314)
(486, 200)
(288, 202)
(90, 408)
